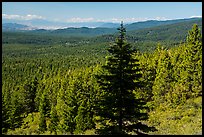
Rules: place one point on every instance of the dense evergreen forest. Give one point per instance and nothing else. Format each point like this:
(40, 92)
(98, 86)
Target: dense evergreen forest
(53, 84)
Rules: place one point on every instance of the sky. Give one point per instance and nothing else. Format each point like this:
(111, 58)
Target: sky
(100, 11)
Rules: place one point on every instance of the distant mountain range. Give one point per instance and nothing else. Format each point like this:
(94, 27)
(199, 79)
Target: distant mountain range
(16, 27)
(110, 25)
(102, 29)
(44, 24)
(171, 33)
(154, 23)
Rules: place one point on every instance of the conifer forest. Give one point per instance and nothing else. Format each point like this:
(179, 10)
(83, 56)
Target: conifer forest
(147, 81)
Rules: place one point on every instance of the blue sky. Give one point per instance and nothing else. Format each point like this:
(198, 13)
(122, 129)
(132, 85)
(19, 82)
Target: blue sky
(100, 11)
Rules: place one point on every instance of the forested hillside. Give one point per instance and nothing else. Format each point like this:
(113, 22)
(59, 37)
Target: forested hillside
(154, 23)
(109, 28)
(50, 84)
(143, 39)
(175, 32)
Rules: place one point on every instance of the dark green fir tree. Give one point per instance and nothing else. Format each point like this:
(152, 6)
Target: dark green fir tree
(119, 111)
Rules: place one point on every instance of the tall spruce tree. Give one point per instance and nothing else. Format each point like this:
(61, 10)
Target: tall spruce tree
(194, 60)
(163, 80)
(119, 111)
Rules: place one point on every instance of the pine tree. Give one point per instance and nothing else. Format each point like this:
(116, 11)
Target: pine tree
(120, 112)
(162, 83)
(43, 108)
(67, 105)
(188, 68)
(15, 118)
(54, 120)
(147, 65)
(30, 89)
(86, 97)
(42, 124)
(194, 60)
(6, 111)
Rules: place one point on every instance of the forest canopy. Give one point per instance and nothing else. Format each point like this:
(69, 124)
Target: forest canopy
(51, 88)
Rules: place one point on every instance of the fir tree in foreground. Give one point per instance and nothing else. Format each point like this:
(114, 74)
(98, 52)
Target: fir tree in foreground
(119, 111)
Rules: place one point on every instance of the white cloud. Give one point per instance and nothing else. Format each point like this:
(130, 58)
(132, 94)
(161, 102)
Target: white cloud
(195, 16)
(80, 20)
(20, 17)
(90, 19)
(160, 18)
(101, 20)
(130, 20)
(51, 27)
(113, 20)
(118, 20)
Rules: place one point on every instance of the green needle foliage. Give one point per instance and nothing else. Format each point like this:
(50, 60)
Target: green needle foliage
(194, 60)
(120, 112)
(54, 120)
(43, 108)
(163, 78)
(30, 89)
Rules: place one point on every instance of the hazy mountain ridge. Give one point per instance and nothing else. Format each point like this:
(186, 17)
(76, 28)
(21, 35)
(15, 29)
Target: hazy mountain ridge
(45, 24)
(105, 29)
(154, 23)
(173, 33)
(176, 31)
(129, 27)
(110, 25)
(16, 27)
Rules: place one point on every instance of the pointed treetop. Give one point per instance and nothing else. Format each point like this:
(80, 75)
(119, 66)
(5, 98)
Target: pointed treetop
(121, 27)
(121, 31)
(194, 35)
